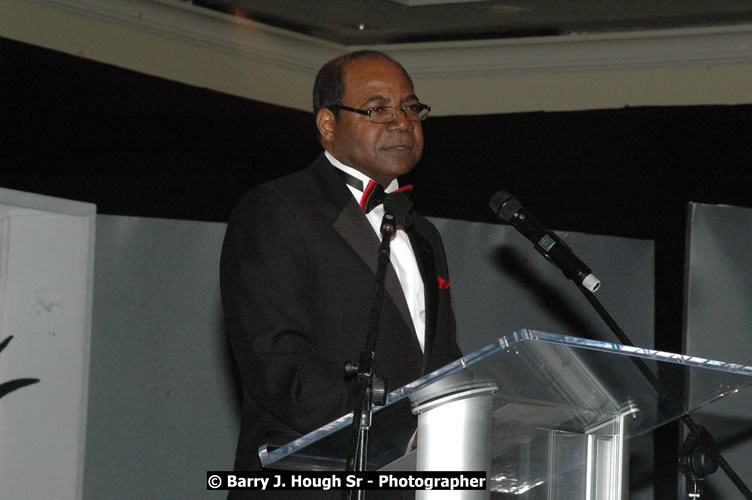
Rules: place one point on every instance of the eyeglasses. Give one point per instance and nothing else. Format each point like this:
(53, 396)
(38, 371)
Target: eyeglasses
(387, 114)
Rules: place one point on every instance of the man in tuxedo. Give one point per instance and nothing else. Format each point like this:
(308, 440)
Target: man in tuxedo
(299, 261)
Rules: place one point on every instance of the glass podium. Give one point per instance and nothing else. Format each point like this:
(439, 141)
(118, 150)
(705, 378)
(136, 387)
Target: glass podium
(546, 415)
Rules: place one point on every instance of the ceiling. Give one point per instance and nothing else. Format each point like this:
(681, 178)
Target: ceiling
(374, 22)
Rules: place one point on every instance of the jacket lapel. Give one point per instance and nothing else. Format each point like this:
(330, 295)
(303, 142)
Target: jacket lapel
(351, 224)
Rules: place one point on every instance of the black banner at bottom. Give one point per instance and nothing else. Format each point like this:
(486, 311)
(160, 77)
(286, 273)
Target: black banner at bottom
(341, 480)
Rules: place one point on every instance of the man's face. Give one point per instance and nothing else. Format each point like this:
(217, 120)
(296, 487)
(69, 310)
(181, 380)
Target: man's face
(381, 151)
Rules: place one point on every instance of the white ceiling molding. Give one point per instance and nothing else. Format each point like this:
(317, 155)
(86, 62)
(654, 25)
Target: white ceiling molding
(422, 3)
(577, 52)
(181, 21)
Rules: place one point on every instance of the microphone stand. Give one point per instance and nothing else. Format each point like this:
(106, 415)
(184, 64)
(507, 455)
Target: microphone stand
(700, 455)
(372, 389)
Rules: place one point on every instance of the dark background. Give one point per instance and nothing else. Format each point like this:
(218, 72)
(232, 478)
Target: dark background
(144, 146)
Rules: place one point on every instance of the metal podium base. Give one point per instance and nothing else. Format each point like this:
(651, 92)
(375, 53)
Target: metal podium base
(454, 425)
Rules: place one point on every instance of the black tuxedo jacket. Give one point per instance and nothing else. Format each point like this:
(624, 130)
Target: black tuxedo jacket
(297, 279)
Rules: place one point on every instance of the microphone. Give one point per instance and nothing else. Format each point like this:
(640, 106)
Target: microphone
(508, 208)
(400, 206)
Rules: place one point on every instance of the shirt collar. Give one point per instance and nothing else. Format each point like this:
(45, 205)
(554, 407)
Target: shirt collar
(393, 186)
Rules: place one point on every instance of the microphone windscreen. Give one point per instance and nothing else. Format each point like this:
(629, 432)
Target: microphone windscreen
(400, 206)
(501, 206)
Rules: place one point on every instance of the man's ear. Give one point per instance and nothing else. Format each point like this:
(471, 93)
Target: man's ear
(326, 123)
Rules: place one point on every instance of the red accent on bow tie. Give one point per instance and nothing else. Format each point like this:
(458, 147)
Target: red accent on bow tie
(443, 283)
(366, 194)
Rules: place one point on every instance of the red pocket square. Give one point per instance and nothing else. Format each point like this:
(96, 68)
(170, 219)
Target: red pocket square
(442, 282)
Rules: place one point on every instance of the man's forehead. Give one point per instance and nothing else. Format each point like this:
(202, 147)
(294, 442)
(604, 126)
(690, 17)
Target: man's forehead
(375, 78)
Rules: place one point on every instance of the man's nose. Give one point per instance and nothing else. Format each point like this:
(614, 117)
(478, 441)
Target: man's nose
(401, 121)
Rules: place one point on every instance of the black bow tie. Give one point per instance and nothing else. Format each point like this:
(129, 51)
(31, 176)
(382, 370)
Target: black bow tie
(376, 196)
(373, 194)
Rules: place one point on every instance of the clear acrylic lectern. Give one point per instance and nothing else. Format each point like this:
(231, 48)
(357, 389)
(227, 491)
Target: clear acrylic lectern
(547, 416)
